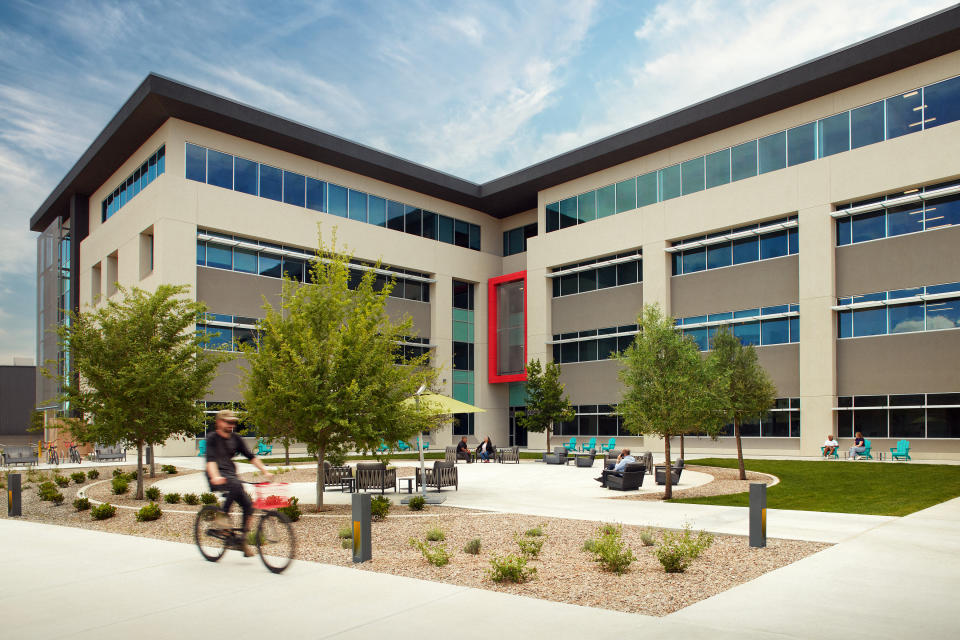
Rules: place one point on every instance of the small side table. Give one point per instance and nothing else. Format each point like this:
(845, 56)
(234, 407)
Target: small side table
(408, 480)
(348, 484)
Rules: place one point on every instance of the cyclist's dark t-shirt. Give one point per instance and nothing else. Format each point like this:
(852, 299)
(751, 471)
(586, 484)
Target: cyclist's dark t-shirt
(221, 450)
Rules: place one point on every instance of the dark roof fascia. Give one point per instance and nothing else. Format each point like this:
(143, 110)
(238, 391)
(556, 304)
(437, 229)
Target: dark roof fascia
(159, 98)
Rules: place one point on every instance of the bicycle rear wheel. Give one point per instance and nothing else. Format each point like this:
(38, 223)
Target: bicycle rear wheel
(211, 538)
(275, 541)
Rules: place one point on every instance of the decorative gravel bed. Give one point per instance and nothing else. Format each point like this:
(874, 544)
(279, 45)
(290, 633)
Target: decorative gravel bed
(564, 572)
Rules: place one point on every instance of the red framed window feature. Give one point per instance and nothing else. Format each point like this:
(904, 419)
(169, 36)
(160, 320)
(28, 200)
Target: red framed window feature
(507, 327)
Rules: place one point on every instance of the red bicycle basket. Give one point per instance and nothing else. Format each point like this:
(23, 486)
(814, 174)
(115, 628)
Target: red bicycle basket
(272, 495)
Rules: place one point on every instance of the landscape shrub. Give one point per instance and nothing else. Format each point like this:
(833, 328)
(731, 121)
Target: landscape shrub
(120, 485)
(435, 534)
(437, 555)
(589, 545)
(345, 533)
(292, 510)
(472, 547)
(416, 503)
(149, 512)
(191, 498)
(118, 473)
(81, 504)
(536, 532)
(677, 549)
(609, 551)
(648, 538)
(132, 476)
(103, 511)
(529, 547)
(510, 568)
(171, 498)
(346, 543)
(93, 474)
(47, 490)
(62, 481)
(379, 507)
(57, 498)
(168, 468)
(79, 477)
(208, 498)
(152, 493)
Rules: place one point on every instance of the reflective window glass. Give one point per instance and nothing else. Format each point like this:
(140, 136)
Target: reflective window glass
(568, 213)
(907, 423)
(941, 314)
(413, 220)
(718, 168)
(793, 241)
(445, 229)
(395, 216)
(905, 219)
(627, 273)
(294, 188)
(906, 318)
(845, 324)
(245, 176)
(775, 331)
(606, 348)
(669, 182)
(943, 423)
(586, 207)
(802, 144)
(942, 211)
(626, 195)
(903, 116)
(699, 336)
(606, 201)
(647, 189)
(719, 255)
(871, 422)
(315, 195)
(607, 277)
(866, 125)
(773, 245)
(269, 266)
(568, 284)
(429, 224)
(553, 216)
(776, 424)
(196, 163)
(692, 176)
(794, 329)
(219, 169)
(746, 250)
(293, 268)
(201, 253)
(475, 237)
(377, 211)
(869, 322)
(588, 351)
(743, 161)
(271, 183)
(588, 280)
(244, 260)
(868, 226)
(694, 260)
(219, 256)
(569, 352)
(943, 398)
(843, 231)
(773, 152)
(750, 429)
(747, 332)
(834, 134)
(943, 103)
(461, 233)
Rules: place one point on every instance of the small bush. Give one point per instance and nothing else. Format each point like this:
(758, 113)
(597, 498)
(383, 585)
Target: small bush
(346, 543)
(47, 490)
(171, 498)
(379, 507)
(132, 476)
(62, 481)
(152, 493)
(647, 538)
(81, 504)
(149, 512)
(103, 511)
(191, 498)
(168, 468)
(120, 485)
(57, 498)
(529, 547)
(345, 533)
(510, 568)
(436, 534)
(472, 547)
(79, 477)
(416, 503)
(607, 529)
(589, 545)
(436, 555)
(676, 550)
(93, 474)
(292, 510)
(609, 551)
(536, 532)
(208, 498)
(119, 473)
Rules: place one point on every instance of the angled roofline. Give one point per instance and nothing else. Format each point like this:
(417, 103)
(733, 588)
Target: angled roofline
(159, 98)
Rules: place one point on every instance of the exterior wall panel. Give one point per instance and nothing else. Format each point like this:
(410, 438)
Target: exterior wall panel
(597, 309)
(744, 286)
(906, 363)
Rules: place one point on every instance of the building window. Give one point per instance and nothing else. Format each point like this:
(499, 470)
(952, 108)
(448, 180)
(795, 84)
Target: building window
(760, 327)
(751, 243)
(930, 308)
(592, 344)
(136, 182)
(915, 415)
(507, 327)
(600, 273)
(910, 211)
(464, 362)
(515, 240)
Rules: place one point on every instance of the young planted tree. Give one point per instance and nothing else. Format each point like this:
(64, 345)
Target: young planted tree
(546, 402)
(668, 390)
(747, 392)
(141, 370)
(327, 362)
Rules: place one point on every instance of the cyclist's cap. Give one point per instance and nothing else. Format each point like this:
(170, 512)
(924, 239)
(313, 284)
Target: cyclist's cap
(226, 415)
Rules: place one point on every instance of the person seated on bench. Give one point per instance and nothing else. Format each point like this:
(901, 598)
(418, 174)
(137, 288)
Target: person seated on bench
(463, 450)
(486, 449)
(830, 446)
(616, 468)
(858, 446)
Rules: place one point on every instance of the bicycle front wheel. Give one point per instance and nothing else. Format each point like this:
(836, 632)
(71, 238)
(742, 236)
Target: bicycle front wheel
(211, 538)
(275, 541)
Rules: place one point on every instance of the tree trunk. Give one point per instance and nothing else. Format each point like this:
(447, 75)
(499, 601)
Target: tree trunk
(286, 453)
(682, 457)
(736, 435)
(139, 495)
(320, 479)
(548, 436)
(153, 461)
(668, 485)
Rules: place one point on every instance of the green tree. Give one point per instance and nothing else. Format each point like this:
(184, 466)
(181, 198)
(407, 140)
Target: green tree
(140, 367)
(547, 404)
(667, 387)
(327, 361)
(747, 392)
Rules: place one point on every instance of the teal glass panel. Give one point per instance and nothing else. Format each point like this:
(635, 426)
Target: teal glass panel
(294, 188)
(669, 182)
(606, 201)
(518, 394)
(866, 125)
(553, 216)
(773, 152)
(244, 260)
(336, 195)
(395, 215)
(586, 207)
(315, 194)
(834, 134)
(358, 205)
(943, 103)
(802, 144)
(717, 167)
(377, 211)
(626, 195)
(904, 114)
(743, 161)
(691, 176)
(647, 189)
(445, 229)
(568, 213)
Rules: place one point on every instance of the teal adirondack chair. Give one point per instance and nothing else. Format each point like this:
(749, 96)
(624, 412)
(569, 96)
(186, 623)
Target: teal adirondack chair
(202, 448)
(424, 444)
(264, 449)
(866, 450)
(590, 446)
(403, 446)
(835, 454)
(572, 445)
(383, 448)
(902, 451)
(610, 446)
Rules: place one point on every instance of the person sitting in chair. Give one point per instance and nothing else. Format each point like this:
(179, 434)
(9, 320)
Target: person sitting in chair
(616, 468)
(485, 450)
(830, 446)
(463, 450)
(858, 446)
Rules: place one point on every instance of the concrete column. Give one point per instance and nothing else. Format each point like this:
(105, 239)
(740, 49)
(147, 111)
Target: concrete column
(441, 329)
(656, 274)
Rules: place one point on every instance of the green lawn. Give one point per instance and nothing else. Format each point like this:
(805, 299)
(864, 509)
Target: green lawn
(844, 486)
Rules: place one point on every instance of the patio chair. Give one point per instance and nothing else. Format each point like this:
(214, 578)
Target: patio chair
(424, 444)
(836, 452)
(403, 446)
(610, 446)
(202, 448)
(630, 480)
(901, 451)
(375, 475)
(443, 474)
(866, 451)
(333, 475)
(264, 449)
(508, 454)
(559, 456)
(660, 473)
(589, 446)
(572, 445)
(586, 461)
(450, 454)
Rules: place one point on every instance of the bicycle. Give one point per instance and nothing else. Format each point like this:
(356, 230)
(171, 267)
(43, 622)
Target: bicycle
(74, 452)
(52, 456)
(273, 536)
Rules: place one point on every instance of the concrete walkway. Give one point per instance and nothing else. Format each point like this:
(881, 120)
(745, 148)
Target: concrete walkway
(898, 578)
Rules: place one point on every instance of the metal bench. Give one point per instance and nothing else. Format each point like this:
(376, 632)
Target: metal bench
(20, 454)
(110, 453)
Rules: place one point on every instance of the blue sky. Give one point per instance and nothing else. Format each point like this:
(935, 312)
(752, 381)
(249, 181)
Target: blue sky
(477, 89)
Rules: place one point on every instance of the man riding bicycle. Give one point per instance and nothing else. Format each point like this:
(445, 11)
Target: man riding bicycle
(222, 445)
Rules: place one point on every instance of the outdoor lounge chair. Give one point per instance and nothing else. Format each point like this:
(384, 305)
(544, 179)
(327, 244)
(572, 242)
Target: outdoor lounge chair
(660, 473)
(508, 454)
(450, 454)
(631, 479)
(586, 461)
(866, 451)
(20, 454)
(901, 451)
(836, 452)
(559, 456)
(333, 475)
(375, 475)
(610, 446)
(264, 449)
(403, 446)
(443, 474)
(589, 446)
(572, 445)
(117, 452)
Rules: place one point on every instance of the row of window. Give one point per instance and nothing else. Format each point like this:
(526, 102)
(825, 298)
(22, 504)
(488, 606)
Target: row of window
(736, 246)
(592, 344)
(899, 213)
(783, 421)
(931, 415)
(134, 184)
(749, 325)
(266, 259)
(910, 112)
(930, 308)
(611, 271)
(515, 240)
(463, 351)
(246, 176)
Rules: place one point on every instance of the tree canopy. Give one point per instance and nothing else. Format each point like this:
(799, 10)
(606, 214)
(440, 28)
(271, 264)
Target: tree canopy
(141, 370)
(547, 404)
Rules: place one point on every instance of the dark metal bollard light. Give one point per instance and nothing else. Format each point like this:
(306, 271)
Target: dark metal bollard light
(14, 490)
(758, 514)
(361, 527)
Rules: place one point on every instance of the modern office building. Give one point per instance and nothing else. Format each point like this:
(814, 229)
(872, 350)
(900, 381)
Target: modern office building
(815, 211)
